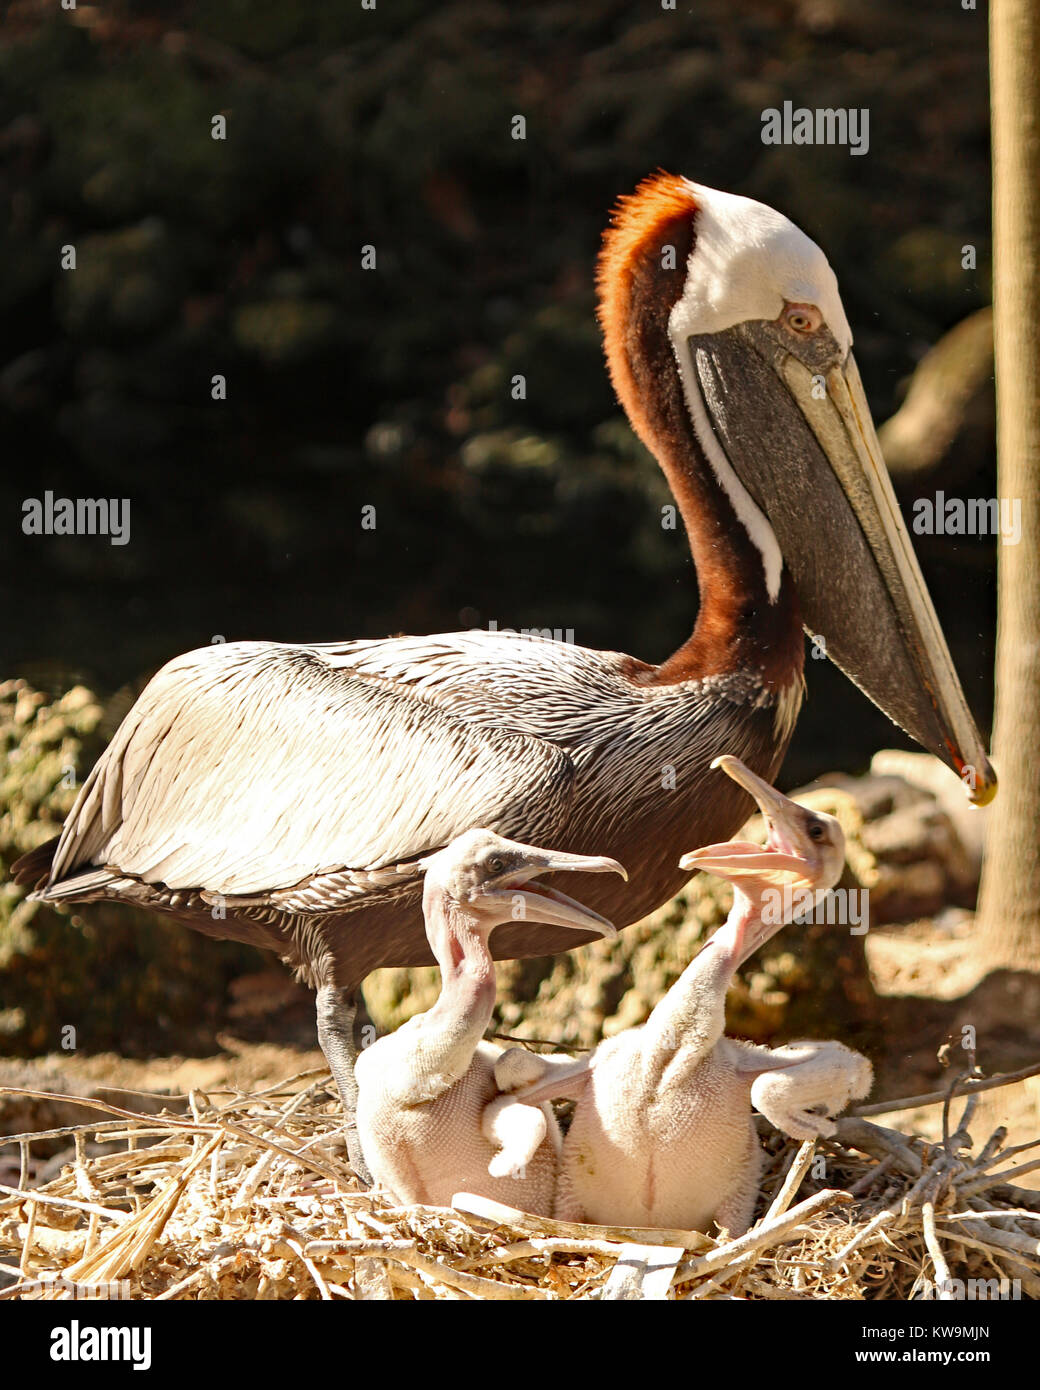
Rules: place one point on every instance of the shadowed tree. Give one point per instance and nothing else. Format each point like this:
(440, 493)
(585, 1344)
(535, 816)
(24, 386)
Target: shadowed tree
(1009, 908)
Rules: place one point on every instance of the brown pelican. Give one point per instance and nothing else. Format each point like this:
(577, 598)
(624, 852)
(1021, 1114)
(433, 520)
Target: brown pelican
(426, 1112)
(285, 795)
(663, 1134)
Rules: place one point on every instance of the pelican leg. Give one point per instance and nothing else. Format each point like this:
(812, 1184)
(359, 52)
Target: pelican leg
(337, 1011)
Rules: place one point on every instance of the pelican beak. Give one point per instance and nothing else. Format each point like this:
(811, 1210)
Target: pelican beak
(771, 803)
(737, 858)
(541, 903)
(803, 444)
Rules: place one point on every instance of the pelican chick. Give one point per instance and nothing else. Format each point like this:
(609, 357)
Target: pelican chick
(663, 1134)
(427, 1115)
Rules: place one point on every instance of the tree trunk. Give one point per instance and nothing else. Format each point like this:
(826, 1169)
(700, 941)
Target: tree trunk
(1009, 907)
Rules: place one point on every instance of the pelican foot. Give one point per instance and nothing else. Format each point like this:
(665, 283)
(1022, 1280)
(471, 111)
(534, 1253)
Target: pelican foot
(355, 1156)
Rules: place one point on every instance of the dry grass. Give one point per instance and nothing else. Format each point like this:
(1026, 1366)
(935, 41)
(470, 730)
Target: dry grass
(248, 1196)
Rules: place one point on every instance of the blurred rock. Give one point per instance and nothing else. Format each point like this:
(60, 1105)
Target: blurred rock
(934, 779)
(908, 852)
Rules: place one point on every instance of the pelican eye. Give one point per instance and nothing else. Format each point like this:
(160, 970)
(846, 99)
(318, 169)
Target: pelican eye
(496, 864)
(816, 831)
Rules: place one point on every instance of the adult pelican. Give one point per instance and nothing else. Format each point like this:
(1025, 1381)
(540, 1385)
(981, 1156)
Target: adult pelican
(284, 794)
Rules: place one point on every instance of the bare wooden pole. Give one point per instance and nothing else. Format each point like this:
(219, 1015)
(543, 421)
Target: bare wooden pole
(1009, 906)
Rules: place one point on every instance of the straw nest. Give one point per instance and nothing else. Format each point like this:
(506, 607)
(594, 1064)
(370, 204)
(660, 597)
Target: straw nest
(249, 1196)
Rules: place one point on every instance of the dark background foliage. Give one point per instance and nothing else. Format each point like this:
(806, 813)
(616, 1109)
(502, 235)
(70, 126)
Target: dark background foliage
(390, 387)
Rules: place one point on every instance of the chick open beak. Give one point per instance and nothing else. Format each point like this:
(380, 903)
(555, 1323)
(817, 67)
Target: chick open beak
(739, 857)
(538, 902)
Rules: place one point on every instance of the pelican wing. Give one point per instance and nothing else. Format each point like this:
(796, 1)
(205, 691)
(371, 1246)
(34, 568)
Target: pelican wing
(251, 768)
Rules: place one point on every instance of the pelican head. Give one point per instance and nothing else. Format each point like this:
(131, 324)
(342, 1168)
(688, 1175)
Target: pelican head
(804, 849)
(766, 390)
(490, 880)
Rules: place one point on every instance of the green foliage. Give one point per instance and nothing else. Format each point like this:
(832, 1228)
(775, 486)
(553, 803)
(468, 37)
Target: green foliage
(119, 977)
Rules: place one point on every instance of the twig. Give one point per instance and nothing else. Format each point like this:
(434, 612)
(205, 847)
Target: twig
(1030, 1283)
(538, 1042)
(995, 1212)
(1022, 1196)
(800, 1165)
(990, 1150)
(871, 1175)
(923, 1185)
(931, 1240)
(405, 1252)
(960, 1139)
(987, 1160)
(796, 1171)
(643, 1272)
(34, 1196)
(885, 1107)
(311, 1268)
(195, 1277)
(92, 1103)
(857, 1133)
(761, 1237)
(543, 1245)
(992, 1179)
(126, 1249)
(1004, 1240)
(498, 1214)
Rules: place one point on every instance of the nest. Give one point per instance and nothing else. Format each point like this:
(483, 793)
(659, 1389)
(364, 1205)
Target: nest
(249, 1196)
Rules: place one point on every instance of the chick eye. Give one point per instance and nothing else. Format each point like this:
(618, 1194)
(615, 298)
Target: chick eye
(816, 832)
(496, 864)
(801, 320)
